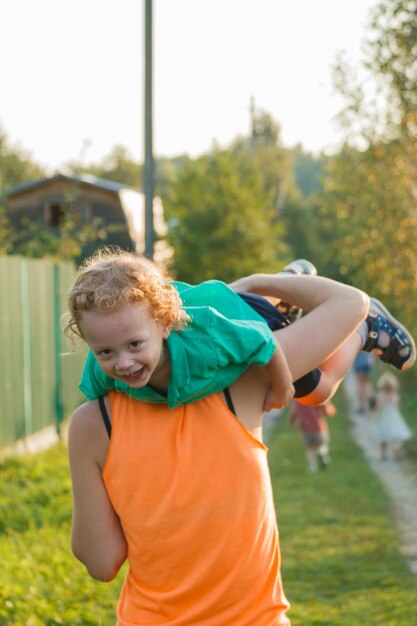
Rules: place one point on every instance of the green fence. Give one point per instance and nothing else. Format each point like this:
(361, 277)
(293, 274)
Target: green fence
(39, 371)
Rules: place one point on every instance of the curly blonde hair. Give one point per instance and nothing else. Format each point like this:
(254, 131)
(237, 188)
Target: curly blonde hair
(112, 279)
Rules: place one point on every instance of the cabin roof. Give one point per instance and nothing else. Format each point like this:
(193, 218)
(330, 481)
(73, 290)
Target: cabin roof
(87, 179)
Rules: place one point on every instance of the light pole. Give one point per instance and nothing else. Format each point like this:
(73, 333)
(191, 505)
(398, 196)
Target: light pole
(148, 169)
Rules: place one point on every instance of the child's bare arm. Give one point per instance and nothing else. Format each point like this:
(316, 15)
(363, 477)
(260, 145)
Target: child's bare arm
(97, 538)
(329, 409)
(282, 389)
(307, 292)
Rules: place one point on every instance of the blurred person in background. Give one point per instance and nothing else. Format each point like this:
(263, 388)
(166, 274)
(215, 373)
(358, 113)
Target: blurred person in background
(389, 426)
(312, 423)
(362, 368)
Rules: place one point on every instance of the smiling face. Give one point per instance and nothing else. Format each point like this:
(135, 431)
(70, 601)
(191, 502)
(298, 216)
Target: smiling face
(128, 345)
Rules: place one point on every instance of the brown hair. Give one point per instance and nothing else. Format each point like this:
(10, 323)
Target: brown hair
(113, 278)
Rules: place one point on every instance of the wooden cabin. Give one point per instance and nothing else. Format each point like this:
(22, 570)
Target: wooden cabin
(47, 200)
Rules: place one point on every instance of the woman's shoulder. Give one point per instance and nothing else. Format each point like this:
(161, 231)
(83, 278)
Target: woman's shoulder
(86, 417)
(87, 433)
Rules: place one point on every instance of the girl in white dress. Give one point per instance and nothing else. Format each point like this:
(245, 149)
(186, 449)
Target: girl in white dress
(390, 427)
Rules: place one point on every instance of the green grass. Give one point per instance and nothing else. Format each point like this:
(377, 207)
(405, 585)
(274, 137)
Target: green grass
(409, 409)
(341, 562)
(340, 549)
(41, 583)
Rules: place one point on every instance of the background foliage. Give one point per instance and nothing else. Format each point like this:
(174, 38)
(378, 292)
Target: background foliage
(255, 204)
(247, 207)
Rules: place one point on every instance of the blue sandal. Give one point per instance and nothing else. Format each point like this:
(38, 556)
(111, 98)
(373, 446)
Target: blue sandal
(401, 350)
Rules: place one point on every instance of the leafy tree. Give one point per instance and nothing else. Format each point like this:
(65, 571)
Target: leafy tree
(221, 223)
(300, 208)
(68, 242)
(290, 179)
(117, 166)
(264, 152)
(166, 172)
(16, 165)
(375, 229)
(393, 58)
(309, 172)
(7, 233)
(368, 211)
(302, 234)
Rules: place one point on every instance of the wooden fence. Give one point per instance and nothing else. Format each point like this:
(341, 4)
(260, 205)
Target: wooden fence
(39, 370)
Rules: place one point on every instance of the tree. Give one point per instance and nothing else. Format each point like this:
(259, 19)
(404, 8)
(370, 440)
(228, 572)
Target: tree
(264, 152)
(309, 172)
(220, 220)
(300, 208)
(16, 165)
(117, 166)
(369, 205)
(392, 50)
(68, 242)
(120, 167)
(7, 234)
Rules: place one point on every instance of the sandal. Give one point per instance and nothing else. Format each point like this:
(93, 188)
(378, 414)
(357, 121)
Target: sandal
(401, 350)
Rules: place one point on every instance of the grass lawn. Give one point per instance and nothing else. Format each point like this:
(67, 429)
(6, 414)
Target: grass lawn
(409, 409)
(341, 560)
(341, 564)
(41, 583)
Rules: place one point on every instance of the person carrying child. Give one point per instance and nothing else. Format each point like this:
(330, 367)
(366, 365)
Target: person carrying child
(388, 423)
(362, 368)
(312, 422)
(183, 492)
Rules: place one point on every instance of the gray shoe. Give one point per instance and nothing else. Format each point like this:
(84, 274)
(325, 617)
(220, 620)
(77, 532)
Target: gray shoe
(299, 267)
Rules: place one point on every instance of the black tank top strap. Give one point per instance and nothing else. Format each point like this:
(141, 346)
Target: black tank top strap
(229, 400)
(105, 415)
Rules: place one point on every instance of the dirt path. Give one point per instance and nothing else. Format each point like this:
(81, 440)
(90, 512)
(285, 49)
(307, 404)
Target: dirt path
(396, 476)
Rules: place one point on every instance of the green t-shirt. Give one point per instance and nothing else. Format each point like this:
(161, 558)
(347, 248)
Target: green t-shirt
(224, 337)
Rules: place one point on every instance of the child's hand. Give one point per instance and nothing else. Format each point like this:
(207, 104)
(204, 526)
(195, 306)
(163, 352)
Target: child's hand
(278, 399)
(282, 389)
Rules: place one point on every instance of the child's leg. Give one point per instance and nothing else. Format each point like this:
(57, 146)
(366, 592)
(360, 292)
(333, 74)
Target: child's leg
(323, 453)
(317, 385)
(381, 333)
(364, 390)
(383, 446)
(311, 457)
(397, 448)
(335, 311)
(333, 371)
(325, 336)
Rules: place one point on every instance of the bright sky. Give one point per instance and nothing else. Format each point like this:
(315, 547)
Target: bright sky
(72, 72)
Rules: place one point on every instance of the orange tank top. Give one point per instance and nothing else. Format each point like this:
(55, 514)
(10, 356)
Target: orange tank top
(192, 489)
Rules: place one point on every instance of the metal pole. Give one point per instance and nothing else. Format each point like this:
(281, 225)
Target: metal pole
(59, 405)
(148, 169)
